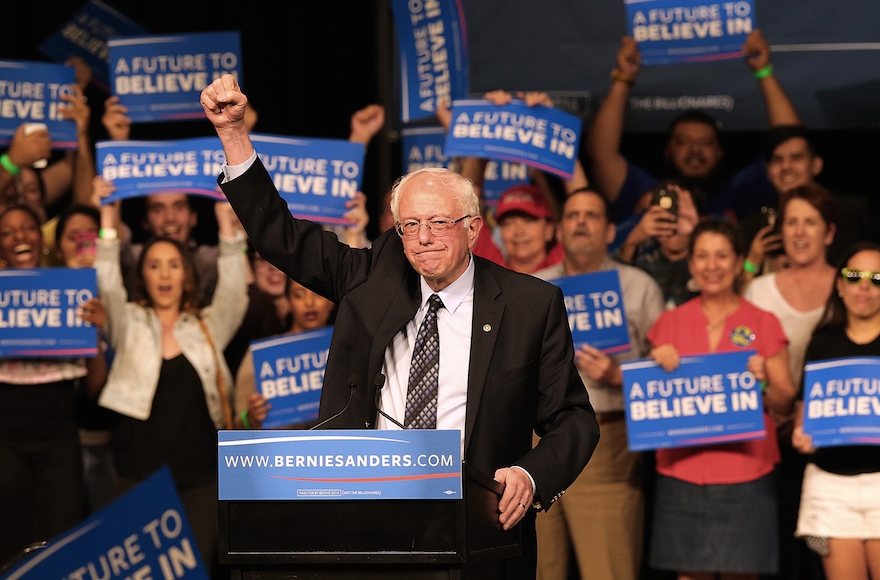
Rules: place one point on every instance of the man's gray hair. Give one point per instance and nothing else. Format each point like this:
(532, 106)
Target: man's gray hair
(460, 187)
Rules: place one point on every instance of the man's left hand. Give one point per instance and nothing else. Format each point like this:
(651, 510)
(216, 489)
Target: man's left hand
(517, 496)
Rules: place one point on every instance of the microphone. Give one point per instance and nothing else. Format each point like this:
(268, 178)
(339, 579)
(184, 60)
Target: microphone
(352, 385)
(379, 382)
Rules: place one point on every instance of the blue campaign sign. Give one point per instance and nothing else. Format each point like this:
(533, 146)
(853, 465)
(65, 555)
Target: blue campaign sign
(423, 147)
(596, 315)
(139, 168)
(679, 31)
(160, 78)
(85, 35)
(30, 92)
(541, 137)
(289, 372)
(707, 399)
(500, 176)
(432, 46)
(316, 177)
(144, 534)
(39, 312)
(841, 403)
(339, 464)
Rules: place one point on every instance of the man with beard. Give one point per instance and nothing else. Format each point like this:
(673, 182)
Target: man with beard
(601, 515)
(693, 152)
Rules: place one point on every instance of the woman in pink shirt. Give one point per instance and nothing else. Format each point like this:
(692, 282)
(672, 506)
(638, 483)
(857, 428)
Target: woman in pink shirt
(715, 505)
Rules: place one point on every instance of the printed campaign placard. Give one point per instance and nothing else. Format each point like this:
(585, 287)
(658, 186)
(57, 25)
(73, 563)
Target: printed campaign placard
(339, 464)
(541, 137)
(841, 402)
(707, 399)
(160, 78)
(139, 168)
(39, 312)
(681, 31)
(144, 534)
(596, 316)
(316, 177)
(432, 46)
(30, 92)
(423, 147)
(289, 373)
(500, 176)
(85, 35)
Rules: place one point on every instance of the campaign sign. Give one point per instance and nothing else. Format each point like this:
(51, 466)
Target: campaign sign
(30, 92)
(316, 177)
(423, 147)
(39, 312)
(85, 35)
(707, 399)
(432, 45)
(841, 402)
(342, 464)
(160, 78)
(144, 534)
(596, 316)
(541, 137)
(501, 176)
(289, 372)
(681, 31)
(139, 168)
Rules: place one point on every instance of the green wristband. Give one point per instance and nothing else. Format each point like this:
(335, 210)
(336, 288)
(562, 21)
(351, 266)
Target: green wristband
(763, 73)
(8, 165)
(749, 267)
(244, 420)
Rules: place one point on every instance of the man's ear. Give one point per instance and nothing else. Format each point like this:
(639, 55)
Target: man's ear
(610, 233)
(816, 165)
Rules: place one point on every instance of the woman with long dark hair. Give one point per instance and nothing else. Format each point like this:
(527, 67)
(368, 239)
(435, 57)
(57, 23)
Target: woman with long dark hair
(839, 514)
(169, 379)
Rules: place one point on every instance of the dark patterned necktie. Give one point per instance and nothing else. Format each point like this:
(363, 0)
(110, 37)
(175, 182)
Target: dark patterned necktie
(424, 371)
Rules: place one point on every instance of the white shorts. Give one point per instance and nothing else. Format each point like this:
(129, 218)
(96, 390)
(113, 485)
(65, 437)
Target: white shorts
(839, 506)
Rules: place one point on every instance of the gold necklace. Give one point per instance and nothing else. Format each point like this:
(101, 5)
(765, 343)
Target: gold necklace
(715, 325)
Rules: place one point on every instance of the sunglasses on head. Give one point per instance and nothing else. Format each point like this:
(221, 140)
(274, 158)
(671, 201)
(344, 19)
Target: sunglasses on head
(855, 276)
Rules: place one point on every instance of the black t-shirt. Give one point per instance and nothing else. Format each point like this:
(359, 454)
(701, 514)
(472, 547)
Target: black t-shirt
(846, 459)
(179, 431)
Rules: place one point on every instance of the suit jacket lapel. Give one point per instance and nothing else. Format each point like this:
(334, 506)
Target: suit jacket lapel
(484, 332)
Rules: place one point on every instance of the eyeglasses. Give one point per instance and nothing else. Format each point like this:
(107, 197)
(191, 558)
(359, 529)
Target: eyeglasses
(438, 227)
(855, 276)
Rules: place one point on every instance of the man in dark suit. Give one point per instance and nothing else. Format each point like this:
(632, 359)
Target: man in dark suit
(505, 336)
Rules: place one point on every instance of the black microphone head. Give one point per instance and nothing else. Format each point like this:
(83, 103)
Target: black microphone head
(379, 381)
(352, 381)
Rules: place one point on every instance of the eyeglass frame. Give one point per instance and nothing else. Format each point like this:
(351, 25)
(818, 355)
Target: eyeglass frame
(873, 277)
(445, 223)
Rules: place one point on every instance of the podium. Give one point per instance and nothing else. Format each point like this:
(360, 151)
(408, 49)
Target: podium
(370, 538)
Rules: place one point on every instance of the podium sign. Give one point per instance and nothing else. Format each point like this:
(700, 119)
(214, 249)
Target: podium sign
(351, 464)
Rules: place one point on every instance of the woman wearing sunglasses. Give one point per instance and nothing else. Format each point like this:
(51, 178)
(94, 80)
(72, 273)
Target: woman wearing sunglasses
(797, 295)
(840, 503)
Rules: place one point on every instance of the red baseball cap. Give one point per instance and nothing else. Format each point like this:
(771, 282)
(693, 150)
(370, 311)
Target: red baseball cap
(526, 199)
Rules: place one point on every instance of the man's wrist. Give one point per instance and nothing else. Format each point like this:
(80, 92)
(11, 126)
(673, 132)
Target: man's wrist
(763, 72)
(617, 76)
(8, 165)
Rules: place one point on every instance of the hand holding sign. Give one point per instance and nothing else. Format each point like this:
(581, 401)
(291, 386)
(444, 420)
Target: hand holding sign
(29, 146)
(116, 119)
(666, 356)
(598, 365)
(756, 49)
(629, 58)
